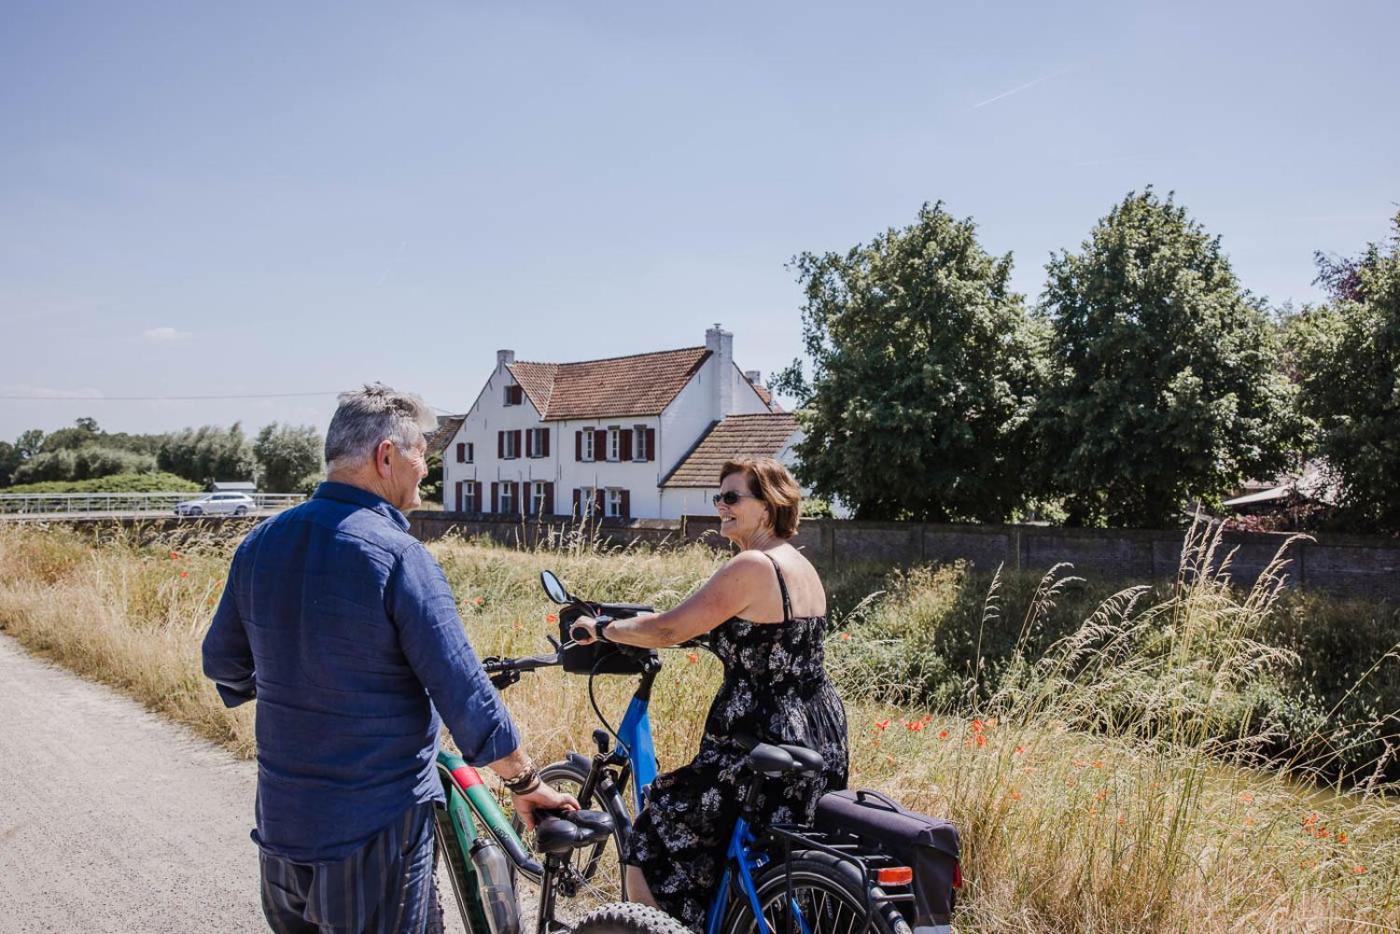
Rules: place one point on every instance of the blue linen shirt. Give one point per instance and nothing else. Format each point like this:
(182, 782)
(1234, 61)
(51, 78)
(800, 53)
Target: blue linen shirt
(345, 630)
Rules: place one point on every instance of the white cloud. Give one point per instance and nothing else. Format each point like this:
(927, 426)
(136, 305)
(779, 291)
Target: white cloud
(164, 334)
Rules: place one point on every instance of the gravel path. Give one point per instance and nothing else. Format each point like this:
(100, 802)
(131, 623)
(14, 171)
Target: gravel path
(114, 820)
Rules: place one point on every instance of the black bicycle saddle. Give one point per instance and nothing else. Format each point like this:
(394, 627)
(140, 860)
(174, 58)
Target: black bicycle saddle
(569, 830)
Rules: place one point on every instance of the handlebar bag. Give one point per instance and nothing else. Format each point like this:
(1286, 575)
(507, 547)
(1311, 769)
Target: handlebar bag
(928, 845)
(602, 657)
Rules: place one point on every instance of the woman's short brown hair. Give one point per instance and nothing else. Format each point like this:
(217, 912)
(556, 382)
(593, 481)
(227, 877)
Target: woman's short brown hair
(771, 483)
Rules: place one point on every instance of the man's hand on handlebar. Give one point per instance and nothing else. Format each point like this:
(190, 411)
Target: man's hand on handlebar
(543, 798)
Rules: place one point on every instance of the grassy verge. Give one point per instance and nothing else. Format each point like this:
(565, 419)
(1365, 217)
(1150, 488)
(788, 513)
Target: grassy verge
(1089, 773)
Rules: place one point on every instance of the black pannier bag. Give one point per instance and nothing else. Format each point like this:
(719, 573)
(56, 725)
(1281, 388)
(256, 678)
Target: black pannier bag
(601, 657)
(928, 845)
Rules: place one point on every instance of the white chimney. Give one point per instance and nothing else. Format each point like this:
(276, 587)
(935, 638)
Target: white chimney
(503, 357)
(720, 342)
(753, 376)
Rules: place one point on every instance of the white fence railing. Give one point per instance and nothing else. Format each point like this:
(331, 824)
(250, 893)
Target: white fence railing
(78, 504)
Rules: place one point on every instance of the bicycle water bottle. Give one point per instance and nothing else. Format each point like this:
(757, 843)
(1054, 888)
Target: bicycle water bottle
(497, 894)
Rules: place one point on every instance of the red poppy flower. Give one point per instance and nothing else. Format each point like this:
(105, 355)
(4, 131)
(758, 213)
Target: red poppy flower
(551, 618)
(845, 637)
(977, 726)
(174, 556)
(479, 601)
(184, 573)
(881, 724)
(981, 740)
(942, 734)
(692, 657)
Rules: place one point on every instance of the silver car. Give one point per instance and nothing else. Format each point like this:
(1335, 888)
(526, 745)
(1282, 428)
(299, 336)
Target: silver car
(217, 504)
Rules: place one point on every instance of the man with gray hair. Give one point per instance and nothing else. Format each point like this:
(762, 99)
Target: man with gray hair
(345, 630)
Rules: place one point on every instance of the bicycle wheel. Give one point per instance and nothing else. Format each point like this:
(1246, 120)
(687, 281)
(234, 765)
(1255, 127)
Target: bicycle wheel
(595, 873)
(828, 895)
(628, 918)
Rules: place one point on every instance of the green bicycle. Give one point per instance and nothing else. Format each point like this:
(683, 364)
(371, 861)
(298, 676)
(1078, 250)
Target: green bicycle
(483, 867)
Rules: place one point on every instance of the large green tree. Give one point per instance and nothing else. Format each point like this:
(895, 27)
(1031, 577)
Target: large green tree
(923, 367)
(1347, 356)
(289, 458)
(207, 454)
(1163, 388)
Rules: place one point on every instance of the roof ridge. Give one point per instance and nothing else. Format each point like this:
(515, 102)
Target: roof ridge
(630, 356)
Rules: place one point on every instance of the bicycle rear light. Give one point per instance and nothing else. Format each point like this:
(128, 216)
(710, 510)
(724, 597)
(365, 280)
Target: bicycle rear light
(894, 875)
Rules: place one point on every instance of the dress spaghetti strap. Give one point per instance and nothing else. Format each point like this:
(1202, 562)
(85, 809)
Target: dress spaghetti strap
(782, 586)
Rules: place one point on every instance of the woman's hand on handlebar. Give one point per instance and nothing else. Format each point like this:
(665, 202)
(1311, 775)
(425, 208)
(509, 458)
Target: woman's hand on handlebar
(543, 798)
(584, 630)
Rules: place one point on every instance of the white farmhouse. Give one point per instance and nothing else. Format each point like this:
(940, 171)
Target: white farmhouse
(626, 437)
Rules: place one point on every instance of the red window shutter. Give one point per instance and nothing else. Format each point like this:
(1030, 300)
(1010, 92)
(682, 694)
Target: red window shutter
(600, 444)
(518, 449)
(461, 453)
(578, 448)
(549, 499)
(476, 497)
(519, 500)
(500, 449)
(651, 444)
(495, 496)
(578, 506)
(546, 433)
(459, 495)
(626, 504)
(624, 444)
(599, 503)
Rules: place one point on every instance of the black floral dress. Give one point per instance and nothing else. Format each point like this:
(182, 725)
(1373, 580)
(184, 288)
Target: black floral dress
(775, 690)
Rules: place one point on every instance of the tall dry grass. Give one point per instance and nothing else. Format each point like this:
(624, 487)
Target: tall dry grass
(1090, 780)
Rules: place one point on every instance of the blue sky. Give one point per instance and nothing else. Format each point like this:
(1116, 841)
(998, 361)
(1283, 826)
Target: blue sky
(202, 199)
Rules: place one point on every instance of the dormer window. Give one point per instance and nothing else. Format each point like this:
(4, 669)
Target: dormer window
(515, 395)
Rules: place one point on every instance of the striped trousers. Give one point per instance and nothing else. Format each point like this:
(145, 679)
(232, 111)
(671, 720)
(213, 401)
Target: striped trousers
(384, 887)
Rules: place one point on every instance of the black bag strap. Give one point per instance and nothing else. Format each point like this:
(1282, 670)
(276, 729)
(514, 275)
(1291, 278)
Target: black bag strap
(887, 802)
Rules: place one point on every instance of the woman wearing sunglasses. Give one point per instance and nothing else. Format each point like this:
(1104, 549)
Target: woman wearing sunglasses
(765, 612)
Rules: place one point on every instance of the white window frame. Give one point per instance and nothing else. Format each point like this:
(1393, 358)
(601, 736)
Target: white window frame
(538, 490)
(590, 438)
(468, 453)
(506, 394)
(468, 494)
(639, 443)
(507, 505)
(612, 503)
(509, 448)
(587, 498)
(614, 443)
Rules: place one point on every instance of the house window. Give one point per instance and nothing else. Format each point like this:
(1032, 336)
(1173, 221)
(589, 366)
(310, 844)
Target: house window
(468, 501)
(514, 395)
(510, 445)
(639, 443)
(466, 452)
(589, 438)
(539, 499)
(614, 502)
(507, 504)
(587, 499)
(537, 442)
(614, 443)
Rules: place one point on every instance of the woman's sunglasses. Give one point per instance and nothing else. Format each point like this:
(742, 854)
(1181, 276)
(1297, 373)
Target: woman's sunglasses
(730, 498)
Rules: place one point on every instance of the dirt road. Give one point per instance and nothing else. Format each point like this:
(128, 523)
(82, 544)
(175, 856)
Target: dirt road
(114, 820)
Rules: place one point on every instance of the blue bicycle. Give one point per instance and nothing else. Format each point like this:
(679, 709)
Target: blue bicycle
(793, 879)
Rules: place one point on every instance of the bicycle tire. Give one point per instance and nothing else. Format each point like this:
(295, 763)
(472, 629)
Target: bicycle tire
(629, 918)
(606, 884)
(828, 892)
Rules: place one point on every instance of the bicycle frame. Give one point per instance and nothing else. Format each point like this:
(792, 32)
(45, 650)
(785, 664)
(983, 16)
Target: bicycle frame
(469, 803)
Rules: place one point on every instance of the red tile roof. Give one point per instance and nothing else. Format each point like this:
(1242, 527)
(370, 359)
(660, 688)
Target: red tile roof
(762, 435)
(642, 384)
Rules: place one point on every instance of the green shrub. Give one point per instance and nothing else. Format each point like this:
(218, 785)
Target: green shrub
(116, 483)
